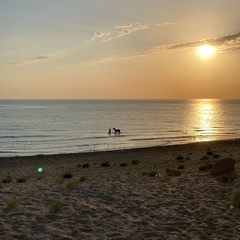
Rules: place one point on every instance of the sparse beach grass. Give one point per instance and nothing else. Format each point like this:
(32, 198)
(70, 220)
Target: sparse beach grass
(56, 206)
(7, 179)
(72, 184)
(236, 199)
(22, 179)
(14, 202)
(131, 187)
(66, 175)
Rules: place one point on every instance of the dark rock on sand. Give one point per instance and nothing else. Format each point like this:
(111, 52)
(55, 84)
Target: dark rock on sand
(225, 165)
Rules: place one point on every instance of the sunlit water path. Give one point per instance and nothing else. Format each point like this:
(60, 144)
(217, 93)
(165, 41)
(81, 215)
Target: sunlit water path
(30, 127)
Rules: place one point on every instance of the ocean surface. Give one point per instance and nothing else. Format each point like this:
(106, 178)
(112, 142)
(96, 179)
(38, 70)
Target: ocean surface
(32, 127)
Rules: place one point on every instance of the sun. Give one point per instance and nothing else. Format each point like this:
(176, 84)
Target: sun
(205, 51)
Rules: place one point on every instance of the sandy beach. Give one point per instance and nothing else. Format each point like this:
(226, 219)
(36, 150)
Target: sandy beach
(120, 195)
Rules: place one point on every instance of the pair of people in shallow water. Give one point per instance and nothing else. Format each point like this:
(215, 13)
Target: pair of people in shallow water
(116, 131)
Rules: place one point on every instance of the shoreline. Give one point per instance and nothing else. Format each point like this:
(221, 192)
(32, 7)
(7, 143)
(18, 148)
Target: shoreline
(120, 201)
(211, 142)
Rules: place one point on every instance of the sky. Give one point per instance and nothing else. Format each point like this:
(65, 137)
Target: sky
(135, 49)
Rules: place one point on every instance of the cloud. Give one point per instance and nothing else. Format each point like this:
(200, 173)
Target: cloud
(119, 32)
(100, 35)
(37, 59)
(163, 24)
(222, 44)
(225, 43)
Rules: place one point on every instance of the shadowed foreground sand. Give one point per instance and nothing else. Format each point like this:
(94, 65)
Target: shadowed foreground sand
(120, 202)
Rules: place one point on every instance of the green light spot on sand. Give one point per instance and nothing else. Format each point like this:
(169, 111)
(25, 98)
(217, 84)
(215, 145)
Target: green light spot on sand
(40, 169)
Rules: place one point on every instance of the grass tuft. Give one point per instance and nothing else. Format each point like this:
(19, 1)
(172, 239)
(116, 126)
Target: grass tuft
(22, 179)
(205, 167)
(105, 164)
(66, 175)
(7, 179)
(56, 206)
(152, 173)
(114, 185)
(135, 162)
(123, 164)
(226, 178)
(86, 165)
(82, 179)
(14, 202)
(236, 199)
(72, 184)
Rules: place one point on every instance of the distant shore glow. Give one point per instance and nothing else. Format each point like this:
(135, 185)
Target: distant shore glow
(206, 51)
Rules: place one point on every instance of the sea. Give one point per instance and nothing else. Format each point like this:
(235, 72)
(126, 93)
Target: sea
(33, 127)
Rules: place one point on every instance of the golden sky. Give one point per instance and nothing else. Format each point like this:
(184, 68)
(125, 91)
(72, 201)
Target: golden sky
(137, 49)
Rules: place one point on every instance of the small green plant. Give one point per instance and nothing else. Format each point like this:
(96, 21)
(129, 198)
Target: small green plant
(39, 177)
(144, 173)
(135, 162)
(32, 193)
(56, 206)
(7, 179)
(153, 173)
(72, 184)
(67, 175)
(114, 185)
(181, 167)
(14, 202)
(206, 166)
(22, 179)
(105, 164)
(227, 178)
(123, 164)
(86, 165)
(82, 179)
(103, 176)
(236, 199)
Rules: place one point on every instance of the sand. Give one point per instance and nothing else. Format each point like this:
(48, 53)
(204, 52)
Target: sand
(120, 202)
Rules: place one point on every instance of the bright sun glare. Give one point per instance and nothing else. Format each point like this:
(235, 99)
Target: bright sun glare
(206, 51)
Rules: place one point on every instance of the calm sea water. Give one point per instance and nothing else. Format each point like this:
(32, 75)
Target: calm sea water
(31, 127)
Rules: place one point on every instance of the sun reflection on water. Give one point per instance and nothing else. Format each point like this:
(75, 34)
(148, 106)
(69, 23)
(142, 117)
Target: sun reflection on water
(206, 124)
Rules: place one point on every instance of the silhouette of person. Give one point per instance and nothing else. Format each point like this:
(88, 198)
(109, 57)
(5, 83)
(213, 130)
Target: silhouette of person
(109, 131)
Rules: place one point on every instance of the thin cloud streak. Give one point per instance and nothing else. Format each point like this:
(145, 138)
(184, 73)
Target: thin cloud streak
(225, 43)
(119, 32)
(163, 24)
(45, 57)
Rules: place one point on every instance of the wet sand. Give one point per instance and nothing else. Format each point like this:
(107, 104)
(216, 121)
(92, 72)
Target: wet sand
(120, 201)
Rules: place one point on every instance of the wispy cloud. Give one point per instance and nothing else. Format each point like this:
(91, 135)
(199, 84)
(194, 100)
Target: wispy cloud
(119, 32)
(163, 24)
(222, 44)
(37, 59)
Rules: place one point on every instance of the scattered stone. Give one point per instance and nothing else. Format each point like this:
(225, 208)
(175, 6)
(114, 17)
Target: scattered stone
(171, 172)
(223, 166)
